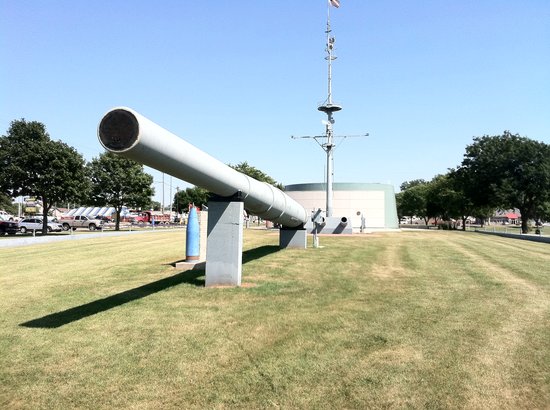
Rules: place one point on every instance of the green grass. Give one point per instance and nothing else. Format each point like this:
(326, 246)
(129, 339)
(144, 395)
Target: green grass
(410, 319)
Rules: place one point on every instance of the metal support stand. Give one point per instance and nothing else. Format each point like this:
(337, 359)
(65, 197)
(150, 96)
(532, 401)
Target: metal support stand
(315, 237)
(224, 251)
(318, 223)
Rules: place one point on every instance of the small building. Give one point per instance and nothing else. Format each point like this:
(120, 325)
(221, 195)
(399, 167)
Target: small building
(368, 203)
(511, 217)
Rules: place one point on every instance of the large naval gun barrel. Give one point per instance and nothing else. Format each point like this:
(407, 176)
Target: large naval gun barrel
(123, 131)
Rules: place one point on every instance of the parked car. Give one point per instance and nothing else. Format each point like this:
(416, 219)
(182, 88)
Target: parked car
(80, 221)
(35, 224)
(8, 227)
(4, 216)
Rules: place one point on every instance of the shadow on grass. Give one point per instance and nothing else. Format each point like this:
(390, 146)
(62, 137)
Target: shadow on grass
(259, 252)
(192, 277)
(79, 312)
(248, 255)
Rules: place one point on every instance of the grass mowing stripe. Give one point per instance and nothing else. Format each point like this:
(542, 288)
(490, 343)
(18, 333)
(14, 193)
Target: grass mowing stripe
(529, 266)
(385, 320)
(525, 312)
(526, 248)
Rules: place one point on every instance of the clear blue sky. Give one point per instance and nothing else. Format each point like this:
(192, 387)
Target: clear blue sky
(238, 78)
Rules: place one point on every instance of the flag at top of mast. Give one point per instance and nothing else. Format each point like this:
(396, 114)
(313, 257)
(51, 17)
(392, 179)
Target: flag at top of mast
(335, 3)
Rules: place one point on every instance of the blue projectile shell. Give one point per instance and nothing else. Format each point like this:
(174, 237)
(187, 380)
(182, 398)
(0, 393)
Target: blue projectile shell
(192, 249)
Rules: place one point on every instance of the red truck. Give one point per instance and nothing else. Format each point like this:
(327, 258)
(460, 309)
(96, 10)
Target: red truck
(152, 217)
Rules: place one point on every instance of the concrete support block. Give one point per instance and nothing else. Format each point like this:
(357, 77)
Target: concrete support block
(293, 238)
(203, 234)
(224, 243)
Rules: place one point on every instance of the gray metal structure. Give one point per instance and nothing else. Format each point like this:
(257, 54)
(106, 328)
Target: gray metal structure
(125, 132)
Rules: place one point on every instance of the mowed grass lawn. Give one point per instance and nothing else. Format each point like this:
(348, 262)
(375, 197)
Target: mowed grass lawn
(392, 320)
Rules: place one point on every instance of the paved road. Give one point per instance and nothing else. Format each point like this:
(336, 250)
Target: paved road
(29, 240)
(525, 237)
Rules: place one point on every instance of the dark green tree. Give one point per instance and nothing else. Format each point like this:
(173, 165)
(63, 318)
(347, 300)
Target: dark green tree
(508, 171)
(7, 205)
(465, 186)
(409, 184)
(32, 164)
(438, 194)
(446, 200)
(155, 206)
(462, 205)
(117, 182)
(195, 195)
(255, 173)
(543, 212)
(413, 201)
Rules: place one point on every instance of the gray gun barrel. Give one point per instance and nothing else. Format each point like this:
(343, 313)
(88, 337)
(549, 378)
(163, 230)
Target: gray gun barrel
(123, 131)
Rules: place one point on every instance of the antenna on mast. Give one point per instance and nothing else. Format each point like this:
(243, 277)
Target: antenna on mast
(329, 107)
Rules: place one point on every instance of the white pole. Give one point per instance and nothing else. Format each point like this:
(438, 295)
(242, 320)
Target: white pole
(330, 164)
(329, 146)
(329, 57)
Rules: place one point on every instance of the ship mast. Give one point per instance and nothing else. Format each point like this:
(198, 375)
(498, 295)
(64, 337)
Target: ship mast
(329, 107)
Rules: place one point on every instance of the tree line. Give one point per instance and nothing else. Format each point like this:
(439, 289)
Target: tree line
(32, 164)
(497, 172)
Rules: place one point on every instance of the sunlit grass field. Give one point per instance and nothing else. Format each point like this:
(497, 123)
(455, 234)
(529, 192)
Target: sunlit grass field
(423, 319)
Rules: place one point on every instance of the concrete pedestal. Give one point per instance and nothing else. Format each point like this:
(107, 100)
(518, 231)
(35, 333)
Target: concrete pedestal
(203, 234)
(224, 251)
(293, 238)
